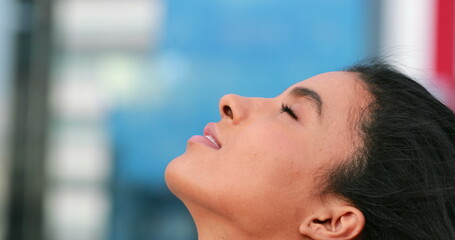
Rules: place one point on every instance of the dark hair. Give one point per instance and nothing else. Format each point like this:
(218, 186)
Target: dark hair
(403, 176)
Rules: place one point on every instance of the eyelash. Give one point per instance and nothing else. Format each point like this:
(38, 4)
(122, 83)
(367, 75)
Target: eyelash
(287, 109)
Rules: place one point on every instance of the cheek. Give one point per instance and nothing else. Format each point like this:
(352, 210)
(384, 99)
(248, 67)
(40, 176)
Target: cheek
(272, 157)
(265, 168)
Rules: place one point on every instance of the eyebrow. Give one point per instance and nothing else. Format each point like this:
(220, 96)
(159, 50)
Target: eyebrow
(313, 96)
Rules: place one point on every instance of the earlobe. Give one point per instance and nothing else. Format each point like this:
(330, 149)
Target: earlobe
(344, 222)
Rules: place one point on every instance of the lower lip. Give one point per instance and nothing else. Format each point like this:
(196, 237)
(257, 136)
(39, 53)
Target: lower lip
(203, 140)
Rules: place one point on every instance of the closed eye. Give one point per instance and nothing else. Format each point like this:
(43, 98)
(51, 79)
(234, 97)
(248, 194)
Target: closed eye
(287, 109)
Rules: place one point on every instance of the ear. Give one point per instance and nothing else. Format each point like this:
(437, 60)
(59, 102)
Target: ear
(337, 222)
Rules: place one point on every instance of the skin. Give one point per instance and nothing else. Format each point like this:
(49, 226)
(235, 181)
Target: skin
(265, 181)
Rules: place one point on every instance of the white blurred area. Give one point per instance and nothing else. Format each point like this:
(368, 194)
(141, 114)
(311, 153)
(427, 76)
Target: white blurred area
(102, 48)
(108, 25)
(408, 39)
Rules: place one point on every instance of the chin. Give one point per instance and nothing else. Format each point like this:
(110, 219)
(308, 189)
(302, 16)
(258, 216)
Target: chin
(184, 183)
(178, 177)
(172, 177)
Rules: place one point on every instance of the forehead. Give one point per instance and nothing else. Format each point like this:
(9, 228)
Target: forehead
(344, 98)
(338, 90)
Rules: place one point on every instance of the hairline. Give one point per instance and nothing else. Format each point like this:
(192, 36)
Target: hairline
(355, 160)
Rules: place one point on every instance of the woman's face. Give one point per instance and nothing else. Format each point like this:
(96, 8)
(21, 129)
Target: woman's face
(272, 153)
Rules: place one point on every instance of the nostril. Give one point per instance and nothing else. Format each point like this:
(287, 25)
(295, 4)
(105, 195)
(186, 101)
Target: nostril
(228, 111)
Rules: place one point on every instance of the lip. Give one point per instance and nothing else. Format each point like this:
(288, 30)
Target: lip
(210, 137)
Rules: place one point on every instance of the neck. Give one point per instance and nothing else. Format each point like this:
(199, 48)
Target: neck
(213, 226)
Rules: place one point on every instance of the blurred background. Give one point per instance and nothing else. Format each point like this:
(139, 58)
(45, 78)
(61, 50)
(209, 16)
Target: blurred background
(97, 96)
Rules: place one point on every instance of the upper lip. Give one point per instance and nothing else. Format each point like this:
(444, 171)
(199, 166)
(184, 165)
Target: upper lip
(211, 131)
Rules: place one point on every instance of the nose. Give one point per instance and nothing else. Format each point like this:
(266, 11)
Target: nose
(234, 108)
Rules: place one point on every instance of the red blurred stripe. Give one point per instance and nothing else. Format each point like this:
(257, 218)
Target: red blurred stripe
(444, 54)
(444, 38)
